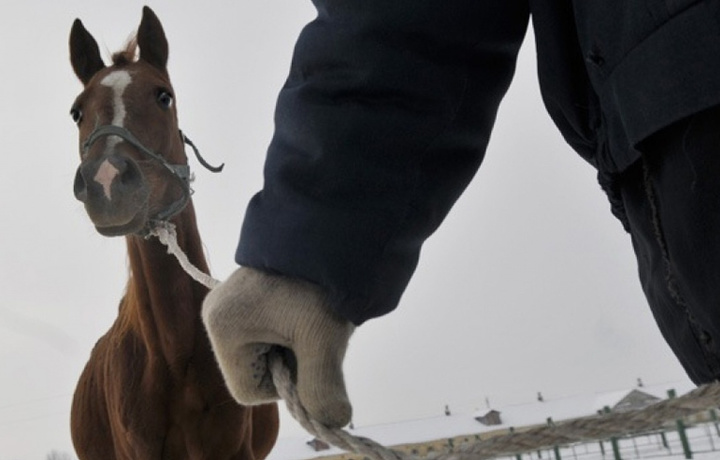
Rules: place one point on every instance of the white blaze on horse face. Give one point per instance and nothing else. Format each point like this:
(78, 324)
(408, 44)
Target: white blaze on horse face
(105, 175)
(118, 81)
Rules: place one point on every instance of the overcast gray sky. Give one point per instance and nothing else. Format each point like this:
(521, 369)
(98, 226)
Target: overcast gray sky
(529, 286)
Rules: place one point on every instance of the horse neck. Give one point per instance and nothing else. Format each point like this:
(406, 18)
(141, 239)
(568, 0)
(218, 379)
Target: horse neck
(162, 301)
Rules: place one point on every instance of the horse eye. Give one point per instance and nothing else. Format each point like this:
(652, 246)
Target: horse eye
(165, 99)
(76, 114)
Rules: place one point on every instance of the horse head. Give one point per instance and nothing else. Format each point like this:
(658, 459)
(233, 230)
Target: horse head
(133, 169)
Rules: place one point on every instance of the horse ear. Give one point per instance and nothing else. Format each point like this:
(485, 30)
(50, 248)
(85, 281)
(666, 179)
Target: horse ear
(151, 40)
(84, 53)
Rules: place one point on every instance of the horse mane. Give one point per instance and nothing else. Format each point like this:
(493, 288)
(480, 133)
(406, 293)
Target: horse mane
(127, 55)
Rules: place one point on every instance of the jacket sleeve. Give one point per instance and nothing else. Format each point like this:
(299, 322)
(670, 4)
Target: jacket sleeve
(381, 124)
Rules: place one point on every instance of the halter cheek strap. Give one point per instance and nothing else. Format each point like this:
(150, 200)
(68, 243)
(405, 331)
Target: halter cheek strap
(179, 171)
(199, 157)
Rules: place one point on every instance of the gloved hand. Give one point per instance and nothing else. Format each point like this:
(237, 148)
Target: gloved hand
(253, 309)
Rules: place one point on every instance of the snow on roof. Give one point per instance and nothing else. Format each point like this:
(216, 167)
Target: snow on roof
(440, 427)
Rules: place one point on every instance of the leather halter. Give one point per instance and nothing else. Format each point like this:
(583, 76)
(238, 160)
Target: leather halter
(181, 172)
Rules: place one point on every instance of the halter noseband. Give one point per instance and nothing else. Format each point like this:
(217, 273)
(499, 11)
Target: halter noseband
(179, 171)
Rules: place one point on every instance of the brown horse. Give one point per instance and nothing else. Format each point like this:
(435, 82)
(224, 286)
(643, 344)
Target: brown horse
(152, 388)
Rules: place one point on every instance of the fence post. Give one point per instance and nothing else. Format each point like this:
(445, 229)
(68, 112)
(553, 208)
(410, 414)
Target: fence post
(681, 430)
(663, 438)
(684, 439)
(714, 417)
(613, 440)
(556, 449)
(634, 441)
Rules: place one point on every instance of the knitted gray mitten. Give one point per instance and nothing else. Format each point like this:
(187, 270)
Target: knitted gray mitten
(252, 310)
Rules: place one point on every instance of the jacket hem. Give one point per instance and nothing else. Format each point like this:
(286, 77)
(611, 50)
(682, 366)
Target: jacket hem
(670, 75)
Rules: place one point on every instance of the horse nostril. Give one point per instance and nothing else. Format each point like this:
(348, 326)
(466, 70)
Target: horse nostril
(119, 162)
(129, 173)
(80, 186)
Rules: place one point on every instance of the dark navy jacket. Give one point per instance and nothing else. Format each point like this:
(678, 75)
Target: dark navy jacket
(389, 105)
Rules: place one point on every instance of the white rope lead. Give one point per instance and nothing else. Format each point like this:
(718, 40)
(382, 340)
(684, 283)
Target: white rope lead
(165, 232)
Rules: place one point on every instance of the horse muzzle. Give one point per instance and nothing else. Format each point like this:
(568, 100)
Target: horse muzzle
(114, 192)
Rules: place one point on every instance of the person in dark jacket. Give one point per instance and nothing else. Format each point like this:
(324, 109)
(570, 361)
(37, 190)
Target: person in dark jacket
(384, 120)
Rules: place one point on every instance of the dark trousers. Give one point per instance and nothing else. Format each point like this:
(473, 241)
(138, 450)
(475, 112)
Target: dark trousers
(672, 202)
